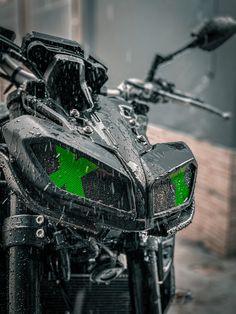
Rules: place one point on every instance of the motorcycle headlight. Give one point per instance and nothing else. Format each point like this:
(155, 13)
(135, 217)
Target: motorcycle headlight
(173, 191)
(82, 176)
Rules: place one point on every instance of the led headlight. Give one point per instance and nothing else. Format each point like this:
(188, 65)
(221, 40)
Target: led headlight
(173, 190)
(82, 176)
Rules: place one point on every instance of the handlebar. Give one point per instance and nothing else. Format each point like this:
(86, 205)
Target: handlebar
(15, 73)
(151, 92)
(129, 90)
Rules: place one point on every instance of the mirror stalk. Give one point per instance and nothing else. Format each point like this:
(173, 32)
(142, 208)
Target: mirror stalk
(159, 60)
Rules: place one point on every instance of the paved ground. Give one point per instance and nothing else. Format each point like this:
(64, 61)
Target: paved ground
(211, 279)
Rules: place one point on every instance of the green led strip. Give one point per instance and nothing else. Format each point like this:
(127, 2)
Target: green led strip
(71, 171)
(181, 188)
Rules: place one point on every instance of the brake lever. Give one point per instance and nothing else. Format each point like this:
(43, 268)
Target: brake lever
(185, 99)
(167, 90)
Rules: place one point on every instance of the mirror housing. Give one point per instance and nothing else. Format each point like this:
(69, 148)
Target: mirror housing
(214, 33)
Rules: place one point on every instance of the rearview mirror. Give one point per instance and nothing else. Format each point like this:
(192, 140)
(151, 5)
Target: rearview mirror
(214, 33)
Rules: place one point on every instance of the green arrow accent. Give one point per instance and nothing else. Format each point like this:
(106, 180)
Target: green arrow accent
(71, 171)
(181, 188)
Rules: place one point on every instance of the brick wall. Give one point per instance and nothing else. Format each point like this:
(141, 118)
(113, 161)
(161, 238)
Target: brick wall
(214, 223)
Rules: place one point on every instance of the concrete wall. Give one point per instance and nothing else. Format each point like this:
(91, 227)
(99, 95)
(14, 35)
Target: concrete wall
(52, 17)
(125, 34)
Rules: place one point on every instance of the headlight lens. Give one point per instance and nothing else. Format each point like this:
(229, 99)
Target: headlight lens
(174, 190)
(82, 176)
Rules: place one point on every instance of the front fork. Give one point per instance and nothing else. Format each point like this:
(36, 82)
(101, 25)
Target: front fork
(150, 263)
(22, 236)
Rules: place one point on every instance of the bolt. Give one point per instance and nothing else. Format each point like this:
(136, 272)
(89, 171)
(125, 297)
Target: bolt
(40, 219)
(132, 122)
(141, 138)
(87, 129)
(40, 233)
(74, 113)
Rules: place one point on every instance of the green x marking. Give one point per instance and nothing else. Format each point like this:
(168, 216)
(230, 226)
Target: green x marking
(181, 188)
(71, 171)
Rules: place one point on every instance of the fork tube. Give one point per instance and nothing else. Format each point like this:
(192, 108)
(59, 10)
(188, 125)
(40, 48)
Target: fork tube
(23, 278)
(143, 281)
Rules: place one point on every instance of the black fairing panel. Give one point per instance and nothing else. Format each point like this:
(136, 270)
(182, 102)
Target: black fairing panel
(126, 144)
(164, 158)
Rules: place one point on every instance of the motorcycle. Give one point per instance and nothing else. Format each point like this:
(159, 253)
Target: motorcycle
(89, 208)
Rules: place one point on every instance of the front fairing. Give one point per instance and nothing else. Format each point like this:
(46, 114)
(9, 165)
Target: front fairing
(112, 144)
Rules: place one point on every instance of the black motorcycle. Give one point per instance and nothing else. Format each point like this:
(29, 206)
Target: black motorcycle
(84, 197)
